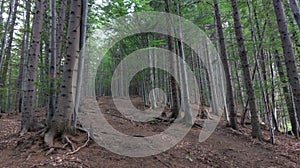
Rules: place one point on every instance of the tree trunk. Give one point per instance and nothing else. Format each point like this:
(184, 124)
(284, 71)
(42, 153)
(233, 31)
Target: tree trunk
(296, 11)
(3, 44)
(29, 91)
(62, 119)
(287, 97)
(174, 90)
(8, 48)
(81, 59)
(230, 99)
(24, 58)
(60, 32)
(52, 68)
(289, 55)
(256, 130)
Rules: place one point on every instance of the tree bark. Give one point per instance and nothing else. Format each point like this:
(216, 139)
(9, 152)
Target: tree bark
(62, 119)
(174, 90)
(296, 11)
(29, 91)
(287, 97)
(291, 66)
(256, 130)
(81, 59)
(52, 68)
(230, 99)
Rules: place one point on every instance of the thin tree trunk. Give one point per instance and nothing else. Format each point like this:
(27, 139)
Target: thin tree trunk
(60, 32)
(256, 130)
(296, 11)
(24, 58)
(81, 59)
(174, 90)
(287, 97)
(230, 99)
(3, 44)
(52, 68)
(8, 48)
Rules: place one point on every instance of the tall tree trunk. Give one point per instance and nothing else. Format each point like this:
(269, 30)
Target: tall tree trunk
(287, 97)
(81, 58)
(256, 130)
(289, 55)
(23, 60)
(296, 11)
(174, 90)
(8, 48)
(29, 91)
(3, 42)
(230, 99)
(62, 119)
(52, 68)
(60, 32)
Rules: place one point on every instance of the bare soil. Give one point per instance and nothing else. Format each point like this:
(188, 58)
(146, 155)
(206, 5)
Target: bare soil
(224, 148)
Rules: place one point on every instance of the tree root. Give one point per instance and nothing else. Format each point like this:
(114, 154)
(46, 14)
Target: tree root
(84, 145)
(70, 143)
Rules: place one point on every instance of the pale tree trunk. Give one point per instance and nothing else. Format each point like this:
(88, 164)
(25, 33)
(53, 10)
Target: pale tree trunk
(230, 99)
(81, 59)
(29, 91)
(153, 101)
(174, 90)
(256, 130)
(287, 97)
(60, 32)
(52, 68)
(188, 118)
(288, 52)
(24, 57)
(296, 11)
(62, 119)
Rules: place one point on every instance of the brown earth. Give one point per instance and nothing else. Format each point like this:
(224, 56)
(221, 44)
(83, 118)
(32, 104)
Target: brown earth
(224, 148)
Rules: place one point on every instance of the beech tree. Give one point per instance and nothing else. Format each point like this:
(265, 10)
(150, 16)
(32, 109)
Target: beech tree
(256, 130)
(288, 52)
(61, 123)
(29, 89)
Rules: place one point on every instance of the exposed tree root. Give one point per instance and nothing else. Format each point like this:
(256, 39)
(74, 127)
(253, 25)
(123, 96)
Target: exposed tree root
(70, 143)
(49, 141)
(84, 145)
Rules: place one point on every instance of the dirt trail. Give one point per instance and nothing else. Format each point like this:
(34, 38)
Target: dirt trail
(224, 148)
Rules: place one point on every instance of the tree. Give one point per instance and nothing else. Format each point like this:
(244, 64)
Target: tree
(296, 11)
(61, 123)
(29, 90)
(52, 69)
(256, 130)
(174, 89)
(289, 55)
(223, 55)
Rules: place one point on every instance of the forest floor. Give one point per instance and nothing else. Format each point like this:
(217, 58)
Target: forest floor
(224, 148)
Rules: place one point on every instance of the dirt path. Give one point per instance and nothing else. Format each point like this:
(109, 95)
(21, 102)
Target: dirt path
(225, 148)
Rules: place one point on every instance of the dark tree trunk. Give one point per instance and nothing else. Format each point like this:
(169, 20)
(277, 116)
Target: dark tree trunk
(229, 92)
(256, 130)
(287, 96)
(288, 51)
